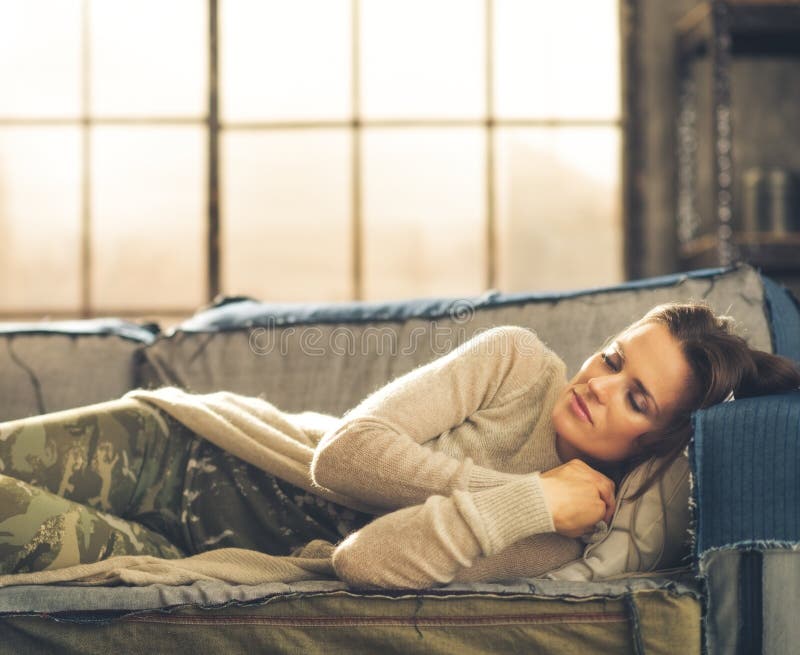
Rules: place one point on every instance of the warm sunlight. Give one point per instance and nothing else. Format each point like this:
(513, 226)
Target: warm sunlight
(106, 139)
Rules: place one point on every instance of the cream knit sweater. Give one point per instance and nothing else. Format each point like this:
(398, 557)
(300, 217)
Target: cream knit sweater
(446, 455)
(453, 447)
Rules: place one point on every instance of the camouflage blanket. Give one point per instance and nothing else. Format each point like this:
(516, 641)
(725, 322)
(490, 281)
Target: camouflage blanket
(278, 442)
(128, 521)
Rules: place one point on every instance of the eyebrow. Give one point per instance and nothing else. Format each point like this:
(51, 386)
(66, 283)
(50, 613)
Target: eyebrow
(618, 347)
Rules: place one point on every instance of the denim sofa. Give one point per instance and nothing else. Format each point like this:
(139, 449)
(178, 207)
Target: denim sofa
(731, 595)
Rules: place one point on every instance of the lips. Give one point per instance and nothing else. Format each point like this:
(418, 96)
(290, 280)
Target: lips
(580, 408)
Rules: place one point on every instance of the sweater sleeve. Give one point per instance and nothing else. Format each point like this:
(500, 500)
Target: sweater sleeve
(429, 544)
(376, 454)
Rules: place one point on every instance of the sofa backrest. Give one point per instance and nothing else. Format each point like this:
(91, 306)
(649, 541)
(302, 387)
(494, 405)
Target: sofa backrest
(50, 366)
(328, 357)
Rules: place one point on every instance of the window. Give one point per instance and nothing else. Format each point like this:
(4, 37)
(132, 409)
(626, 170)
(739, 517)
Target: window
(154, 154)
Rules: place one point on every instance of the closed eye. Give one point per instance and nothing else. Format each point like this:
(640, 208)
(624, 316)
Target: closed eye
(636, 407)
(612, 363)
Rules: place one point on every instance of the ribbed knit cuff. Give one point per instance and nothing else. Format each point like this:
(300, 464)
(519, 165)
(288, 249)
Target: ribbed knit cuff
(481, 478)
(505, 514)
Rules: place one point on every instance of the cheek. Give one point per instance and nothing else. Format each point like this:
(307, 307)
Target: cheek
(563, 420)
(630, 425)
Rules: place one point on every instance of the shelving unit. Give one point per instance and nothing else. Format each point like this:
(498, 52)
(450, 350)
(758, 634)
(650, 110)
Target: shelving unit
(722, 31)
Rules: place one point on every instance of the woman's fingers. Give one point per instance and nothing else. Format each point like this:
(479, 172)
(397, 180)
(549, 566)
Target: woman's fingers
(606, 490)
(578, 497)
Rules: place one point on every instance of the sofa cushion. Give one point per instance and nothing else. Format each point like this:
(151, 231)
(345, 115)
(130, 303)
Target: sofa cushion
(328, 357)
(46, 367)
(315, 616)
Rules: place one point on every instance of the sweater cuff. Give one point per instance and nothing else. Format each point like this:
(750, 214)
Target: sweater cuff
(506, 514)
(481, 478)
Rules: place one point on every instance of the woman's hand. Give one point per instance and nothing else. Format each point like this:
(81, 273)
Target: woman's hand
(577, 497)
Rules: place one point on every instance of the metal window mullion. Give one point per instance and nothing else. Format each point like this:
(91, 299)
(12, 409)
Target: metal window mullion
(356, 163)
(491, 228)
(427, 122)
(630, 74)
(102, 120)
(86, 168)
(213, 126)
(332, 124)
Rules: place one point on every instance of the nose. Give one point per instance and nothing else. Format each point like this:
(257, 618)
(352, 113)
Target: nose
(601, 387)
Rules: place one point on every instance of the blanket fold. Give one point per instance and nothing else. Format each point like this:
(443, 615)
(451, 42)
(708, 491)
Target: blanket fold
(230, 565)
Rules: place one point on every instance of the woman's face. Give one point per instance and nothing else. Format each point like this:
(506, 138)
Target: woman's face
(630, 388)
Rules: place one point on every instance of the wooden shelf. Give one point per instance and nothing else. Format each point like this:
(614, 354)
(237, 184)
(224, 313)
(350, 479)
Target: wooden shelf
(757, 28)
(768, 251)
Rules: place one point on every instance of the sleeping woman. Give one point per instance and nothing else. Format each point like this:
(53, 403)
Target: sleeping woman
(484, 464)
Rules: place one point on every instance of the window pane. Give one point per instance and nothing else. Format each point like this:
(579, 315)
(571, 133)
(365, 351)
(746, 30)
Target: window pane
(40, 66)
(148, 222)
(423, 58)
(557, 59)
(424, 212)
(285, 60)
(40, 216)
(287, 207)
(149, 57)
(558, 208)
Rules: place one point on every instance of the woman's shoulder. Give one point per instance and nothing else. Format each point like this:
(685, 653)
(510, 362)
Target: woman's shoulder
(528, 363)
(514, 339)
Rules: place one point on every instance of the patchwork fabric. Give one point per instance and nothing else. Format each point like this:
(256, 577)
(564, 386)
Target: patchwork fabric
(314, 617)
(746, 464)
(745, 461)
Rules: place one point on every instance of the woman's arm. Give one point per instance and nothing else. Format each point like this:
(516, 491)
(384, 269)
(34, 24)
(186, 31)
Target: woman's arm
(429, 544)
(375, 453)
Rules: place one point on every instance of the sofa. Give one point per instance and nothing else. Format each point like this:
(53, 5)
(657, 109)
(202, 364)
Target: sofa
(732, 592)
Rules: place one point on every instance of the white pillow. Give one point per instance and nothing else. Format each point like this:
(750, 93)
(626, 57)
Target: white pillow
(648, 534)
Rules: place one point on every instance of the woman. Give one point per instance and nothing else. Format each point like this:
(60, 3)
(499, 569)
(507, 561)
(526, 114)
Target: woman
(484, 464)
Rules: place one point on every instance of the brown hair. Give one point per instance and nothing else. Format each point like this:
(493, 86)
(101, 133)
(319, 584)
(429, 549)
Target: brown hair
(721, 363)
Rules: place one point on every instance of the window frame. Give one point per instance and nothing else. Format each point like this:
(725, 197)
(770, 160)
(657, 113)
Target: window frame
(215, 126)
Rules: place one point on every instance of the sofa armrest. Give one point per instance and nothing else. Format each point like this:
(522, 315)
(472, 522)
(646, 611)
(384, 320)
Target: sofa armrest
(745, 459)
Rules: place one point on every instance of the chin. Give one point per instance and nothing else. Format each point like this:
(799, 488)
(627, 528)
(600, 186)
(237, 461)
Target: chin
(565, 427)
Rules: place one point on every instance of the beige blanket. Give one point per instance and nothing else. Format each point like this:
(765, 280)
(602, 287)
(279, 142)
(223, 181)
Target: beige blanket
(231, 565)
(262, 435)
